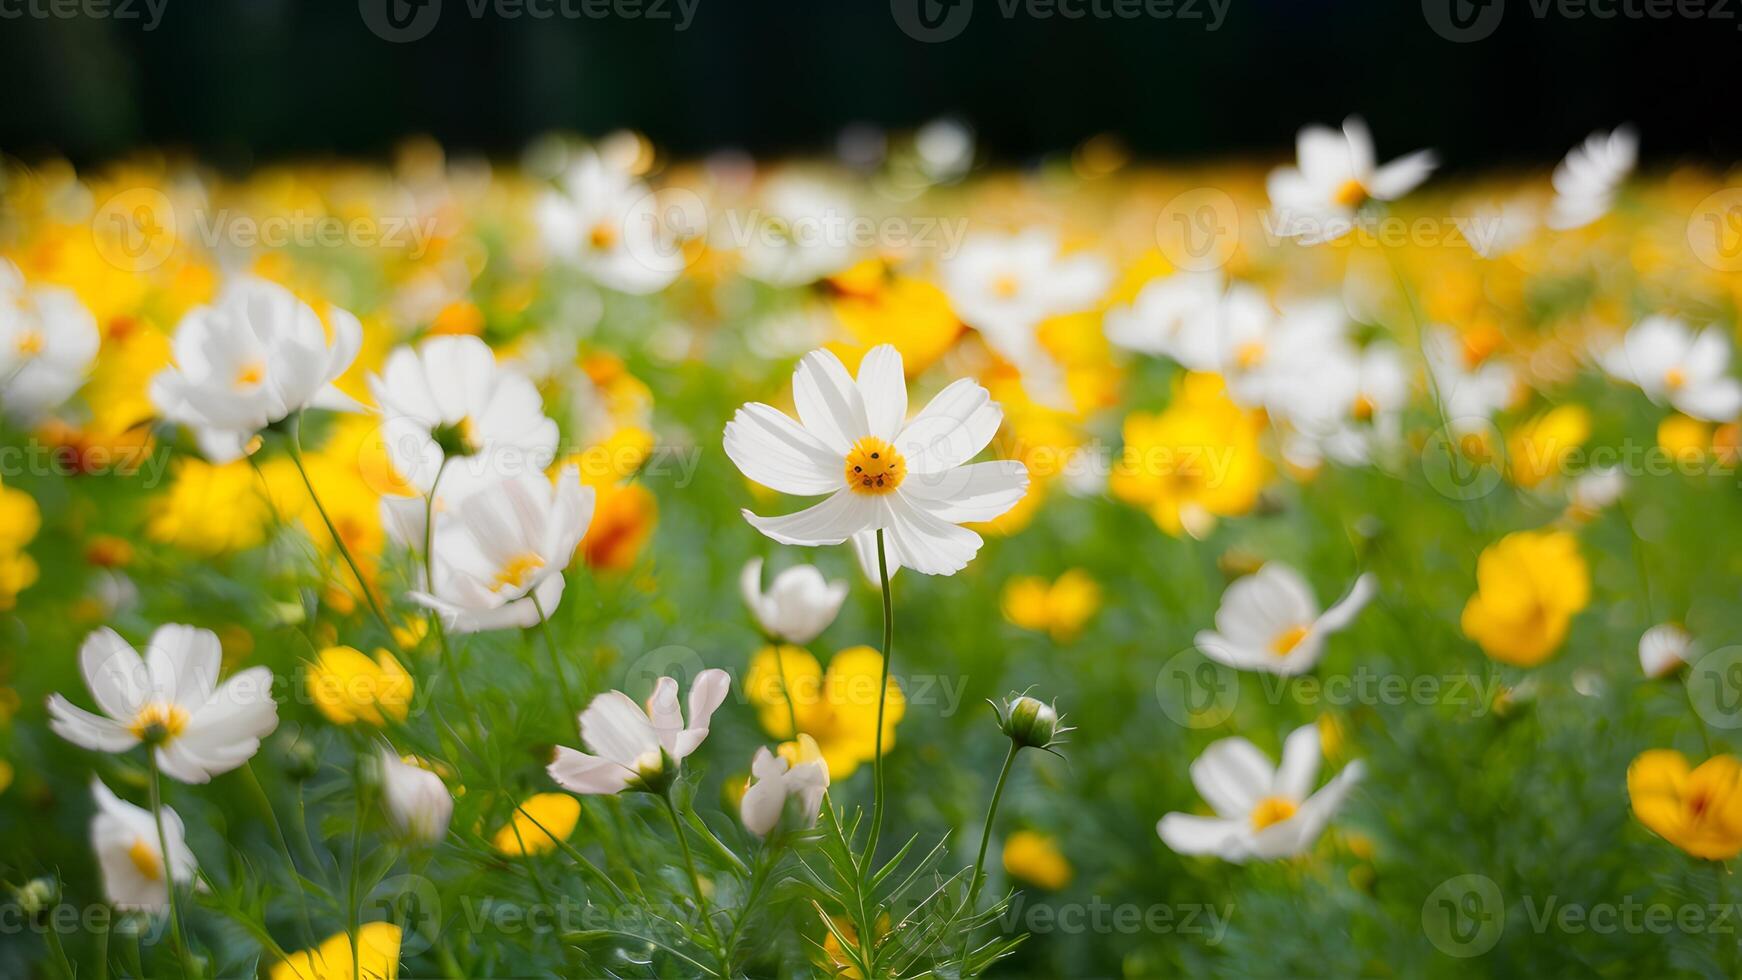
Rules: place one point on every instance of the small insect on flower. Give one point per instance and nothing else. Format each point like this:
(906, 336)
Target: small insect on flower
(255, 357)
(1270, 621)
(1698, 810)
(170, 701)
(798, 605)
(910, 479)
(1262, 812)
(131, 855)
(636, 749)
(377, 957)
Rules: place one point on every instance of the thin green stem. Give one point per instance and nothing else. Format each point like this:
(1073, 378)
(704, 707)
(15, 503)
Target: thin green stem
(877, 801)
(689, 863)
(986, 832)
(260, 798)
(295, 444)
(556, 663)
(181, 943)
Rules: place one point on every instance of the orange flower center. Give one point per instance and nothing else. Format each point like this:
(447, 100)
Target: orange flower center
(603, 235)
(1249, 355)
(874, 467)
(1272, 810)
(29, 343)
(1364, 408)
(145, 859)
(517, 571)
(1287, 640)
(250, 374)
(1351, 195)
(1006, 287)
(159, 721)
(1674, 379)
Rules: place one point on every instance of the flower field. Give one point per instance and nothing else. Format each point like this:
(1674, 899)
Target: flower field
(599, 563)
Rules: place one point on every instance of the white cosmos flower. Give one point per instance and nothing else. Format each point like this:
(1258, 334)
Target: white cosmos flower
(1470, 392)
(1261, 812)
(798, 605)
(608, 223)
(1167, 316)
(801, 233)
(130, 852)
(799, 771)
(448, 400)
(256, 356)
(1320, 198)
(853, 441)
(1005, 285)
(1672, 363)
(1263, 356)
(499, 557)
(1664, 649)
(171, 699)
(417, 801)
(1586, 181)
(47, 342)
(636, 749)
(1596, 490)
(1493, 230)
(1270, 622)
(1344, 402)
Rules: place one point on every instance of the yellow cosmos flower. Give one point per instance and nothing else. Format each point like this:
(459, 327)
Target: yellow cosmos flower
(840, 965)
(348, 687)
(209, 510)
(1036, 859)
(877, 305)
(1060, 607)
(1529, 585)
(1194, 462)
(1538, 449)
(539, 823)
(838, 709)
(617, 458)
(1698, 810)
(378, 943)
(624, 516)
(1686, 440)
(20, 519)
(132, 353)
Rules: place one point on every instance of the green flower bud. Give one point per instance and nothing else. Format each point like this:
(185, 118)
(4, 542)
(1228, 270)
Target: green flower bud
(1030, 722)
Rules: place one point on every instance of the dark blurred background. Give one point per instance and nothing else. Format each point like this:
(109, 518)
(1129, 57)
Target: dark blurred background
(240, 81)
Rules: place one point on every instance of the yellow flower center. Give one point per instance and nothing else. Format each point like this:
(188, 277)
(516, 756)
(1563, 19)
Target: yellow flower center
(1249, 355)
(250, 374)
(515, 573)
(1006, 287)
(874, 467)
(1272, 810)
(159, 721)
(29, 343)
(603, 235)
(1674, 379)
(1364, 408)
(1287, 640)
(1351, 195)
(145, 859)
